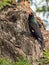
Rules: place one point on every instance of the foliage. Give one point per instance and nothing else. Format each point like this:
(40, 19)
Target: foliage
(4, 3)
(45, 59)
(5, 61)
(23, 61)
(41, 7)
(44, 7)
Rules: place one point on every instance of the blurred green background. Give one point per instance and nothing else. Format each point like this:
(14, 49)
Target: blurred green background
(41, 7)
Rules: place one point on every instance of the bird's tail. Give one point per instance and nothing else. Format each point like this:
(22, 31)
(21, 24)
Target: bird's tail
(41, 41)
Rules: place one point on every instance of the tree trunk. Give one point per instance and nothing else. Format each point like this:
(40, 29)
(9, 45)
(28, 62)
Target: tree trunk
(15, 37)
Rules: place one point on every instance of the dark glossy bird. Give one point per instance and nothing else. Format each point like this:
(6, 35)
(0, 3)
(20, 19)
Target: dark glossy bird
(34, 29)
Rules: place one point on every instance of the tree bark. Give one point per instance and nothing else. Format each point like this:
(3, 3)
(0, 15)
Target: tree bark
(15, 37)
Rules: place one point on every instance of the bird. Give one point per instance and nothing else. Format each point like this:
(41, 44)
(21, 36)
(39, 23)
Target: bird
(35, 30)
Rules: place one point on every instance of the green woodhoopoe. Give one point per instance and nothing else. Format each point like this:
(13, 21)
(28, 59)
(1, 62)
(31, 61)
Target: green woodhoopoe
(35, 30)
